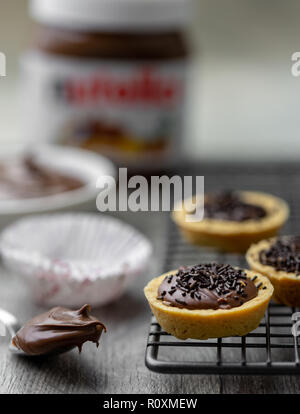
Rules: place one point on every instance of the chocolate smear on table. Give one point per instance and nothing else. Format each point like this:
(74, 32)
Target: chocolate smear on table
(229, 205)
(25, 177)
(207, 286)
(283, 254)
(58, 330)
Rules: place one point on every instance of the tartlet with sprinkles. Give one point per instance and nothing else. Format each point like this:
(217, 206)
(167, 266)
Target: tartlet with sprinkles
(209, 300)
(279, 260)
(233, 220)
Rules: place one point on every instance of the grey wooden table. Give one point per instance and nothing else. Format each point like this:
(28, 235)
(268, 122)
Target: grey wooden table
(117, 366)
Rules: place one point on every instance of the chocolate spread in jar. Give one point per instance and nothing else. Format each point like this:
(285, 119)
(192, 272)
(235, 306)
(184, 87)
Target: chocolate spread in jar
(207, 286)
(58, 330)
(111, 77)
(25, 177)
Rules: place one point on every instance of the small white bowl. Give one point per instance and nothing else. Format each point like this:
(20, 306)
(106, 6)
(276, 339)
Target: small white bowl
(85, 165)
(75, 258)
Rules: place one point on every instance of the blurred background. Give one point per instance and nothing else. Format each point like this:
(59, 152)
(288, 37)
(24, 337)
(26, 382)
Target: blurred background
(243, 101)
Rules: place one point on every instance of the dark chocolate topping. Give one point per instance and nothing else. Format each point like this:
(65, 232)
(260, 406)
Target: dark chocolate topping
(26, 178)
(58, 330)
(207, 286)
(229, 206)
(283, 254)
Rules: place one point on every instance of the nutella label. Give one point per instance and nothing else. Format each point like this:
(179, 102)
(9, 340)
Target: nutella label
(124, 109)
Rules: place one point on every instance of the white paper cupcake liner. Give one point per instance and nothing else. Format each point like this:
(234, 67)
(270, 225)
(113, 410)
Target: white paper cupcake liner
(72, 259)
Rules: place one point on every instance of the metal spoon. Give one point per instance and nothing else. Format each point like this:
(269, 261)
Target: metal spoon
(12, 325)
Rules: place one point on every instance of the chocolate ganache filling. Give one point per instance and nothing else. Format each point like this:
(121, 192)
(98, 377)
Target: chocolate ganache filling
(229, 206)
(58, 330)
(283, 254)
(207, 286)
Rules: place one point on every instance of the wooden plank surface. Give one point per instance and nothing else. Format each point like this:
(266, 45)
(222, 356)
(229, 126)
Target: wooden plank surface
(118, 365)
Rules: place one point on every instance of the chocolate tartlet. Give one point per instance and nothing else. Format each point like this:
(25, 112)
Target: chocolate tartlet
(58, 330)
(209, 301)
(279, 260)
(234, 220)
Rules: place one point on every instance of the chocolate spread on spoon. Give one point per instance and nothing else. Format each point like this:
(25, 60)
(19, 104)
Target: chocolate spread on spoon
(58, 330)
(27, 178)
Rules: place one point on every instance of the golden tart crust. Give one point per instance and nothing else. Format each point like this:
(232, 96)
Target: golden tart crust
(232, 235)
(286, 285)
(210, 323)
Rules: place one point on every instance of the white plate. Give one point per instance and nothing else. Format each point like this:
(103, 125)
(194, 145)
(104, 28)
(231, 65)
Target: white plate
(85, 165)
(75, 258)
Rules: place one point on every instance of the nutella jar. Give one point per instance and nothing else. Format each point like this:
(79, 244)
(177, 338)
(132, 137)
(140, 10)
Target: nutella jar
(109, 76)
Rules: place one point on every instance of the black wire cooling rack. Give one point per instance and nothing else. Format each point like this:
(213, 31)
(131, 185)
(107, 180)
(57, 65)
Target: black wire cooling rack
(271, 348)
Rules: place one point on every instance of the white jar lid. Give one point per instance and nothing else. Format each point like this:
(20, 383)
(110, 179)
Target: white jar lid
(120, 15)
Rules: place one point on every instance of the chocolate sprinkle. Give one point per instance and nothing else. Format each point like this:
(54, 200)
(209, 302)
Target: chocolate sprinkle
(207, 286)
(283, 254)
(228, 205)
